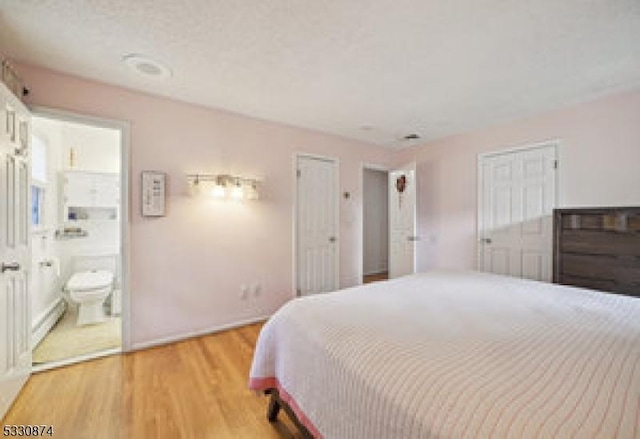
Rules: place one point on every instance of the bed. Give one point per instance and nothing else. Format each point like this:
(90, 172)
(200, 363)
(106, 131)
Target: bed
(450, 354)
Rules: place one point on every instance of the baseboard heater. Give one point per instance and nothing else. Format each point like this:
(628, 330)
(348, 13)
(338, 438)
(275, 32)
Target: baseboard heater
(46, 321)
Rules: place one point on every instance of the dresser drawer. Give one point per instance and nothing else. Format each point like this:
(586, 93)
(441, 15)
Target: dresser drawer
(622, 269)
(600, 242)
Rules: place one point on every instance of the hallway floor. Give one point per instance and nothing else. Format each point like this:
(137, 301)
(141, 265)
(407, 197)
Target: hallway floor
(367, 278)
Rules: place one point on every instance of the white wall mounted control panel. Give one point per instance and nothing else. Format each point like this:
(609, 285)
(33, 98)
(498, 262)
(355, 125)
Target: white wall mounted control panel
(154, 187)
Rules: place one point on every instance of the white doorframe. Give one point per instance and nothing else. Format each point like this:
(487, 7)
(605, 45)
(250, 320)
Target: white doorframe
(555, 143)
(125, 129)
(336, 162)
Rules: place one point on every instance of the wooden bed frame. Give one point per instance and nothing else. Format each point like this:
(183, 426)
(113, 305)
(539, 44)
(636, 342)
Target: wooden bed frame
(275, 404)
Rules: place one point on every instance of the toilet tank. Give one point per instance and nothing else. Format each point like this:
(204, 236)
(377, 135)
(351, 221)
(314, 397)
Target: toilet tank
(98, 261)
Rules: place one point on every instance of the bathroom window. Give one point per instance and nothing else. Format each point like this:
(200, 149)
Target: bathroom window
(37, 206)
(38, 160)
(38, 181)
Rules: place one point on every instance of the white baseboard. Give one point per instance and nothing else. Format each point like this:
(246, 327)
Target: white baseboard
(173, 339)
(46, 322)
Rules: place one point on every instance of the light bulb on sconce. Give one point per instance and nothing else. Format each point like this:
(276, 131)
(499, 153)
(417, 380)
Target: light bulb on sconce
(219, 190)
(237, 193)
(252, 191)
(195, 187)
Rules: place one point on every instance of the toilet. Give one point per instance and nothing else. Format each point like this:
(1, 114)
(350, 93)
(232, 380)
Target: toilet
(89, 290)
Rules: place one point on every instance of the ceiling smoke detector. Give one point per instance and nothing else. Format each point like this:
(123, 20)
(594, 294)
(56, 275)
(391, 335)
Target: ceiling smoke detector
(146, 66)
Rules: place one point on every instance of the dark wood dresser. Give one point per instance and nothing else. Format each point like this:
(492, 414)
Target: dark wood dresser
(598, 248)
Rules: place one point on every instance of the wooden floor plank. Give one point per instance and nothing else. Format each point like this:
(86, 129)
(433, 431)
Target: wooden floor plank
(368, 278)
(192, 389)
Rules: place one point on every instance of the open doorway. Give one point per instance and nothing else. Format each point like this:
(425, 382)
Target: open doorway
(78, 216)
(375, 254)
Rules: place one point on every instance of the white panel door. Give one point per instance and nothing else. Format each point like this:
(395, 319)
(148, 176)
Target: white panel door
(515, 212)
(317, 225)
(402, 221)
(15, 322)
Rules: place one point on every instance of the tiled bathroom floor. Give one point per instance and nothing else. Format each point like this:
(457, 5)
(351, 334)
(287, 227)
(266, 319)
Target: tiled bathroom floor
(66, 340)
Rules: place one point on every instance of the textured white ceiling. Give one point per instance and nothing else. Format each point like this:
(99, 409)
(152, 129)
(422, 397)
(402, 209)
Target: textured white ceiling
(433, 67)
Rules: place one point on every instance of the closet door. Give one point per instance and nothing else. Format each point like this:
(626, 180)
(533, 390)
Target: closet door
(517, 193)
(15, 324)
(317, 225)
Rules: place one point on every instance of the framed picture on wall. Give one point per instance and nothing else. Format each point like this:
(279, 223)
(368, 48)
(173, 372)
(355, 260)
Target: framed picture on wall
(153, 192)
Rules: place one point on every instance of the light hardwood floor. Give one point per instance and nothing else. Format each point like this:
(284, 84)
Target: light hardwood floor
(191, 389)
(368, 278)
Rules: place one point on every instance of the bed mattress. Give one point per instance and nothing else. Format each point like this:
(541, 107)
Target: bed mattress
(456, 355)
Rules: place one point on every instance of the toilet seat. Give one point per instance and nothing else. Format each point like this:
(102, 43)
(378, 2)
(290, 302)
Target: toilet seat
(89, 289)
(88, 281)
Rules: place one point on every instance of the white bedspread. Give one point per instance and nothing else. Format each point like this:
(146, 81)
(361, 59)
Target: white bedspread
(457, 355)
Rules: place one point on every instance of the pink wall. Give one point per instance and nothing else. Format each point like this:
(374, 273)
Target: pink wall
(599, 166)
(187, 268)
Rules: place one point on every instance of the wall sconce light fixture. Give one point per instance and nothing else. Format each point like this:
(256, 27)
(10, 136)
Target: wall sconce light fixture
(224, 186)
(219, 190)
(237, 193)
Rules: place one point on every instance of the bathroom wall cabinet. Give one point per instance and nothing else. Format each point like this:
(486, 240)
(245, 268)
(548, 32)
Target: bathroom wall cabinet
(90, 195)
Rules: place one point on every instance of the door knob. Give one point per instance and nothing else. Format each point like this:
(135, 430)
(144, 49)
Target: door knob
(332, 239)
(486, 240)
(413, 238)
(13, 266)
